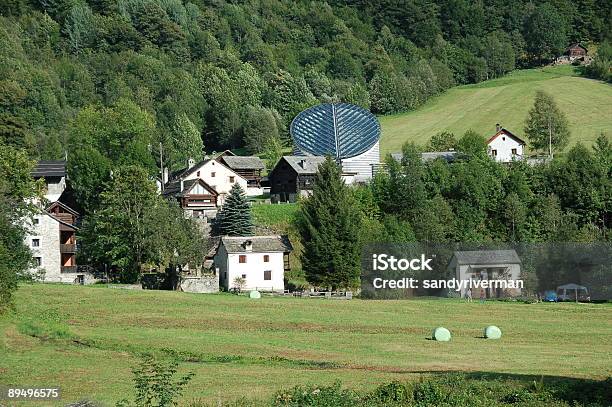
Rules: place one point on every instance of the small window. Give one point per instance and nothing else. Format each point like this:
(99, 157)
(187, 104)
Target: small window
(212, 174)
(494, 153)
(266, 258)
(504, 138)
(35, 242)
(38, 261)
(242, 258)
(514, 151)
(232, 180)
(267, 275)
(36, 221)
(198, 173)
(244, 276)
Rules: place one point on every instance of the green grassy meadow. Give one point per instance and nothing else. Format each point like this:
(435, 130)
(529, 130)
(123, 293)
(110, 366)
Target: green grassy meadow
(86, 339)
(587, 104)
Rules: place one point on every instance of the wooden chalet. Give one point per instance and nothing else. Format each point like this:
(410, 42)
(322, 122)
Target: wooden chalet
(576, 51)
(249, 167)
(195, 196)
(293, 176)
(67, 219)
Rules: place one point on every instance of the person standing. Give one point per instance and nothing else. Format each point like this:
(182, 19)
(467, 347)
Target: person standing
(468, 295)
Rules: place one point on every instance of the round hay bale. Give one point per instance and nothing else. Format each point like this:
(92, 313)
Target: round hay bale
(492, 332)
(441, 334)
(255, 294)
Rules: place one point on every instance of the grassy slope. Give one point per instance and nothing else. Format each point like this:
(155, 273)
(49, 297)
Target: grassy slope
(586, 102)
(259, 346)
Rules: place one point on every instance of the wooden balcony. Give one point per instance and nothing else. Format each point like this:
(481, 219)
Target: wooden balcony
(68, 248)
(69, 269)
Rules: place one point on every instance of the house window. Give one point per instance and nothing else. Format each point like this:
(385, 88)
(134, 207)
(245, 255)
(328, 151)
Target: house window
(38, 261)
(232, 180)
(198, 173)
(503, 138)
(494, 153)
(514, 151)
(35, 242)
(244, 276)
(36, 221)
(242, 258)
(212, 174)
(267, 275)
(266, 258)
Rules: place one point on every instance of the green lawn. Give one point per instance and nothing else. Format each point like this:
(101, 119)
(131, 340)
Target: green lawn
(587, 104)
(86, 339)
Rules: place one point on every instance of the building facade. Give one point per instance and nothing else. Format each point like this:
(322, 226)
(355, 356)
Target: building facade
(504, 146)
(253, 262)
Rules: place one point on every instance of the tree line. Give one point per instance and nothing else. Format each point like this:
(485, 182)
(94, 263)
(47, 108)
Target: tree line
(472, 199)
(124, 78)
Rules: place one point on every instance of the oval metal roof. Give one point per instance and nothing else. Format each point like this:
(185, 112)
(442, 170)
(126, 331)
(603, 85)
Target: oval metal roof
(341, 130)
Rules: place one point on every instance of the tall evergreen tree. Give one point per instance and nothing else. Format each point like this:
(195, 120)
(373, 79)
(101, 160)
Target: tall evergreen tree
(235, 219)
(329, 225)
(546, 125)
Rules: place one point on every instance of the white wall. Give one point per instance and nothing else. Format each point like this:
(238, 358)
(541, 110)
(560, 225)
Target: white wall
(504, 145)
(230, 268)
(55, 190)
(464, 272)
(221, 181)
(362, 164)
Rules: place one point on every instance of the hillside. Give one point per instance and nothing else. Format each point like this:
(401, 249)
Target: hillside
(587, 104)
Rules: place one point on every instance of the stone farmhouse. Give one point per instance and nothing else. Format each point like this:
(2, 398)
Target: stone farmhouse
(52, 232)
(487, 265)
(259, 262)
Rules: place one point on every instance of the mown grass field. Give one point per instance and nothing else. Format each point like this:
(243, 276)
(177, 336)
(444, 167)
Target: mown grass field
(587, 104)
(86, 339)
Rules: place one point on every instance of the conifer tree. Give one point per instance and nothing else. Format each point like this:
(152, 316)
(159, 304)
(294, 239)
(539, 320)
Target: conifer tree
(235, 218)
(329, 226)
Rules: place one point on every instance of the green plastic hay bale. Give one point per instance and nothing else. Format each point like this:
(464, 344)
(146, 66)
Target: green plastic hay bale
(255, 294)
(492, 332)
(441, 334)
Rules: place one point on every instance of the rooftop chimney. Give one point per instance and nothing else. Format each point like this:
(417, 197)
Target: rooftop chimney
(165, 176)
(248, 245)
(190, 163)
(497, 128)
(182, 185)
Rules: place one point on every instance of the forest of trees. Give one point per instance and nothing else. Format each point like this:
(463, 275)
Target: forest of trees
(117, 78)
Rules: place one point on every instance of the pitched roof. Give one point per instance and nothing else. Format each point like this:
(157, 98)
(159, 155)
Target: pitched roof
(183, 172)
(261, 244)
(237, 162)
(576, 45)
(484, 257)
(304, 164)
(64, 206)
(430, 155)
(507, 133)
(50, 168)
(174, 187)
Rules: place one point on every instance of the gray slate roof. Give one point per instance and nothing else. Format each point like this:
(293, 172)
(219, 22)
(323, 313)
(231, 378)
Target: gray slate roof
(261, 244)
(50, 168)
(236, 162)
(430, 155)
(487, 257)
(304, 164)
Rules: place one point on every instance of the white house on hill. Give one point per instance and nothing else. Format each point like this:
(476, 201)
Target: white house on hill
(261, 261)
(504, 146)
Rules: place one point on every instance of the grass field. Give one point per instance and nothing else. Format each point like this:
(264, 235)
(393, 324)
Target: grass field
(87, 338)
(587, 104)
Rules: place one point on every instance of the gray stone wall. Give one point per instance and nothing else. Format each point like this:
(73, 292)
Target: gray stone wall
(206, 283)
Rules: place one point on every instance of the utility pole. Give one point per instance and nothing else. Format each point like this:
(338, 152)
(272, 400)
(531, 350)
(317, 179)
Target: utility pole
(161, 165)
(550, 154)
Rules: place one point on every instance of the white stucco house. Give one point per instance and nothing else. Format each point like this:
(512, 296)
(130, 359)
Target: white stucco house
(260, 261)
(504, 146)
(487, 265)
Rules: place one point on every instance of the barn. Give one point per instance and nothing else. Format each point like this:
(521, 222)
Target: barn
(346, 132)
